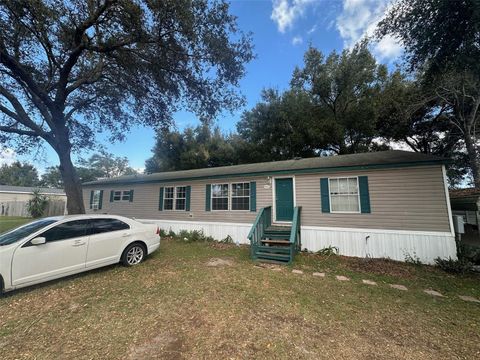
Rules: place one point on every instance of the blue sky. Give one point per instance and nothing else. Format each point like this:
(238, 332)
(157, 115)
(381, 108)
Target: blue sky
(282, 30)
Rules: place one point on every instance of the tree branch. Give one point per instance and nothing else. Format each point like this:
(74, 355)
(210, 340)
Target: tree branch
(21, 115)
(13, 130)
(15, 67)
(80, 45)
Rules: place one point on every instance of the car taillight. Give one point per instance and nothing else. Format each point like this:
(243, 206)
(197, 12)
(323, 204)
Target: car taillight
(158, 231)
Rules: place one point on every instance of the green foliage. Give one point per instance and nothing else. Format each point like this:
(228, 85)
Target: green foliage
(194, 148)
(328, 251)
(105, 165)
(469, 252)
(413, 259)
(189, 236)
(18, 174)
(437, 34)
(37, 205)
(280, 127)
(467, 255)
(72, 69)
(410, 115)
(460, 266)
(441, 42)
(163, 233)
(227, 240)
(344, 89)
(99, 165)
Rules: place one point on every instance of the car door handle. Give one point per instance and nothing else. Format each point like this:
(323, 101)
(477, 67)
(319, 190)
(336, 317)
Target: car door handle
(79, 243)
(125, 235)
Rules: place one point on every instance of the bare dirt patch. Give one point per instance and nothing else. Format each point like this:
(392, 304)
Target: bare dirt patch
(162, 346)
(219, 262)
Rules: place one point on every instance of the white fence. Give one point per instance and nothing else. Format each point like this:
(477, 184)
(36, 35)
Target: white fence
(19, 208)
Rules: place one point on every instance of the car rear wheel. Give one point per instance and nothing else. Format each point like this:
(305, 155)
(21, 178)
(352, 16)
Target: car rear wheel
(134, 254)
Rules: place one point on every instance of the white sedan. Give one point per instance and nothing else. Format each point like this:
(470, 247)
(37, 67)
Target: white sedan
(54, 247)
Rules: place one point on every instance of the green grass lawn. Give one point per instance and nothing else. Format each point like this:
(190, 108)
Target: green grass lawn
(9, 222)
(174, 306)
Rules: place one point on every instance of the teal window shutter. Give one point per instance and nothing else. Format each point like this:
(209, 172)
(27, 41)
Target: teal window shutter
(364, 194)
(160, 200)
(188, 191)
(325, 195)
(91, 199)
(253, 196)
(111, 195)
(131, 195)
(100, 200)
(208, 195)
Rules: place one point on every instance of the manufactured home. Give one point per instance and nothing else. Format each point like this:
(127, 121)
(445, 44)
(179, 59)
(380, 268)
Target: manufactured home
(389, 204)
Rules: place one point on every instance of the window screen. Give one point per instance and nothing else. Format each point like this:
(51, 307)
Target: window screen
(180, 197)
(344, 195)
(168, 198)
(220, 197)
(241, 196)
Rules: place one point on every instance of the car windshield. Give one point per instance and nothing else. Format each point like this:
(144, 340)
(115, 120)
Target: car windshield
(19, 233)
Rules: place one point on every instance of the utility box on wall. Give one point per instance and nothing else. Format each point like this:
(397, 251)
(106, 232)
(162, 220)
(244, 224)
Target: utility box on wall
(458, 224)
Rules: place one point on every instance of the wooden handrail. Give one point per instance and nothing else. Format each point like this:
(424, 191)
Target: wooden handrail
(262, 222)
(295, 232)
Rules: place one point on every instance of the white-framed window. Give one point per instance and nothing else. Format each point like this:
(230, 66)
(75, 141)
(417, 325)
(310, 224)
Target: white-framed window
(180, 197)
(241, 196)
(121, 195)
(96, 200)
(344, 195)
(175, 198)
(168, 197)
(235, 196)
(220, 196)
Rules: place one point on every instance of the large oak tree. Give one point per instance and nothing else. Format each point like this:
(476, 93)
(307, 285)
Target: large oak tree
(71, 69)
(441, 39)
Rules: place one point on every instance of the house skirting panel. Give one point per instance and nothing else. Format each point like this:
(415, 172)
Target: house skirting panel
(377, 243)
(219, 231)
(373, 243)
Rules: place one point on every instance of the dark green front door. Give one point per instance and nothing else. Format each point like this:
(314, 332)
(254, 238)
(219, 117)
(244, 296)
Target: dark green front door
(284, 199)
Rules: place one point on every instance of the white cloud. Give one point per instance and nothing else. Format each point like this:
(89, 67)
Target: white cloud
(388, 48)
(297, 40)
(359, 18)
(312, 30)
(286, 12)
(7, 156)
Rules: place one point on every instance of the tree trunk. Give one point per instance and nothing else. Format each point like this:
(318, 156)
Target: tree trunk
(473, 159)
(71, 182)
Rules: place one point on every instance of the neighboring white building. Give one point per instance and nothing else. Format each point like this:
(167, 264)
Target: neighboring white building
(13, 200)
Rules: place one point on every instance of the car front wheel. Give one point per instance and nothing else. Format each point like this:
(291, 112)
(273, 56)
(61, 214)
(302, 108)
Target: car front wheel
(133, 255)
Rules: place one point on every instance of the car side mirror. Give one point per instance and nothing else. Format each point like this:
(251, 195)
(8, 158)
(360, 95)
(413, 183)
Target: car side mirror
(38, 241)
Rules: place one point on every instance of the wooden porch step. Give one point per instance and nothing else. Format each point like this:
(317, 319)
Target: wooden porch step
(274, 249)
(275, 236)
(278, 228)
(266, 255)
(284, 242)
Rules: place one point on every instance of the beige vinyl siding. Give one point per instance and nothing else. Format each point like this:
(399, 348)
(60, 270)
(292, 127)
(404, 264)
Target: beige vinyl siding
(401, 199)
(146, 199)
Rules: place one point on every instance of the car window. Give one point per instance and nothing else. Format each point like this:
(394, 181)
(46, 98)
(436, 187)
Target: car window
(67, 230)
(19, 233)
(99, 226)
